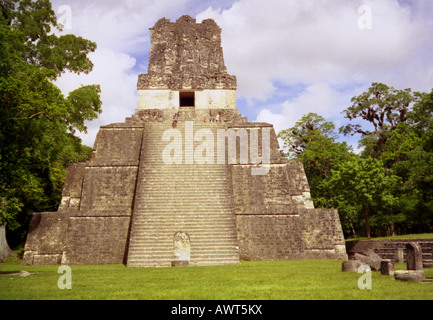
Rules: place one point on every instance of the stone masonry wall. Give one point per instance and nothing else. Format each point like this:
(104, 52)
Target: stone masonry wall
(71, 195)
(269, 237)
(92, 224)
(98, 232)
(186, 54)
(276, 218)
(45, 238)
(108, 189)
(117, 144)
(96, 240)
(272, 193)
(322, 234)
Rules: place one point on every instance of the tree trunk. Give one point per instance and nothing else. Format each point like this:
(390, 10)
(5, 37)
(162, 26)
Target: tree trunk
(392, 229)
(367, 224)
(5, 251)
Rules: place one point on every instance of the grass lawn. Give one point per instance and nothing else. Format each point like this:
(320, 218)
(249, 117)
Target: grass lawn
(259, 280)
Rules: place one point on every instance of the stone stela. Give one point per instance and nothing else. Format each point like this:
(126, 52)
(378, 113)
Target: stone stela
(127, 206)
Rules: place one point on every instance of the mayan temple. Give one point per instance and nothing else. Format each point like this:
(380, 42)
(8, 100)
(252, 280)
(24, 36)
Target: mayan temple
(203, 192)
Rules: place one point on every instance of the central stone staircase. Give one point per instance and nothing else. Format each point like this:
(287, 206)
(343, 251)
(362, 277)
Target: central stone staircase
(191, 198)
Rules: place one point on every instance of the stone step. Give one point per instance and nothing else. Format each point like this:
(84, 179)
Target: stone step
(195, 254)
(151, 250)
(197, 234)
(158, 192)
(167, 263)
(184, 222)
(173, 203)
(194, 231)
(150, 244)
(168, 234)
(147, 210)
(195, 250)
(204, 215)
(175, 208)
(160, 260)
(195, 199)
(179, 210)
(153, 189)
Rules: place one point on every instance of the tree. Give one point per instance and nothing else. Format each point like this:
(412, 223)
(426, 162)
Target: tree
(361, 185)
(37, 122)
(383, 108)
(309, 128)
(5, 251)
(416, 167)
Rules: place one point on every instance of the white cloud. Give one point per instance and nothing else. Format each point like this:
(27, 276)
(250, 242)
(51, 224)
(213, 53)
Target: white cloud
(305, 41)
(315, 44)
(318, 45)
(120, 30)
(319, 98)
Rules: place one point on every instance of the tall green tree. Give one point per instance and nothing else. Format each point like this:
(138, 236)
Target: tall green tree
(383, 108)
(362, 185)
(397, 131)
(309, 128)
(37, 122)
(416, 164)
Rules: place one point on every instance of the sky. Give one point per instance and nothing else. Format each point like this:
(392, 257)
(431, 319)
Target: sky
(290, 57)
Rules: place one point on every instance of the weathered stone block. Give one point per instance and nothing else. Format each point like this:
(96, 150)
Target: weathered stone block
(350, 265)
(180, 263)
(399, 255)
(72, 189)
(372, 259)
(413, 256)
(387, 267)
(409, 275)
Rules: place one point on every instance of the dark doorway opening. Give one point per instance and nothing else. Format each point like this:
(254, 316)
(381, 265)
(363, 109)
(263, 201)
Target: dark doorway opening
(186, 99)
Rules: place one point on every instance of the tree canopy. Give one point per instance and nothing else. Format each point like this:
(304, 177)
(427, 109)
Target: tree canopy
(37, 122)
(388, 186)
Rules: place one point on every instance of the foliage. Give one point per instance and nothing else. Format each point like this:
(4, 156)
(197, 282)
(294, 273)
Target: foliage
(383, 108)
(388, 187)
(309, 128)
(362, 185)
(37, 121)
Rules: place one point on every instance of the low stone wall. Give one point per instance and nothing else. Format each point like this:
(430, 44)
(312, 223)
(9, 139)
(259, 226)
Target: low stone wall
(392, 249)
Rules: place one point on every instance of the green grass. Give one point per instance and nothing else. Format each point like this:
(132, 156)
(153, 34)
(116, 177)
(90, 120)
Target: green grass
(263, 280)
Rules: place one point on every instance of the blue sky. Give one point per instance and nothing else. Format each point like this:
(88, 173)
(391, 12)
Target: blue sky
(290, 57)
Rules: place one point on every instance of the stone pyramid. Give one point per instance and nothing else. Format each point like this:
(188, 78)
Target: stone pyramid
(211, 189)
